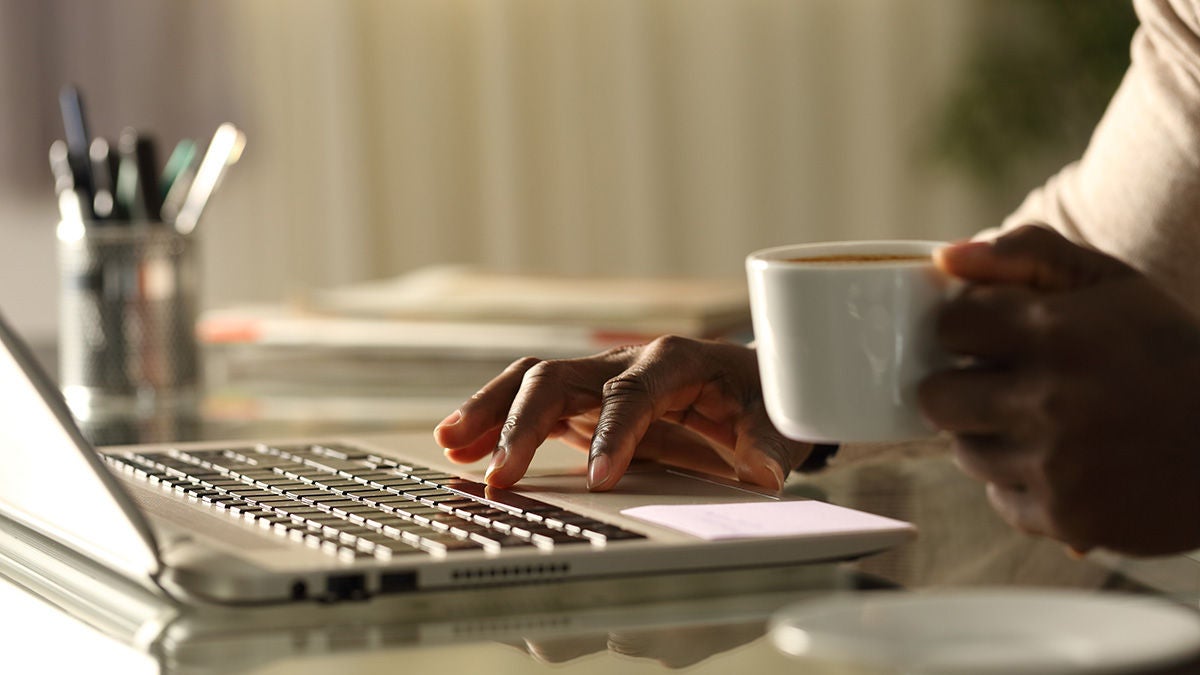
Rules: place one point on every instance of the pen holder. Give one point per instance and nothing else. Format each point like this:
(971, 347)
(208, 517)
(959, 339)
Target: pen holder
(128, 303)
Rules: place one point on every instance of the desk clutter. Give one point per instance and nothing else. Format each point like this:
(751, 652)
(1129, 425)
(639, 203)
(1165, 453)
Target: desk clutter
(447, 329)
(98, 182)
(128, 280)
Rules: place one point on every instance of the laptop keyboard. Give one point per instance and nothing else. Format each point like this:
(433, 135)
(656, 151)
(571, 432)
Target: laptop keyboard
(353, 504)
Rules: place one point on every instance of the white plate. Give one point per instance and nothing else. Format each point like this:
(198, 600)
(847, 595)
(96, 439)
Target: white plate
(968, 632)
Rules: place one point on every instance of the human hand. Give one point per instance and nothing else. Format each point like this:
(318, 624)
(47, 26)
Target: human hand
(691, 403)
(1080, 406)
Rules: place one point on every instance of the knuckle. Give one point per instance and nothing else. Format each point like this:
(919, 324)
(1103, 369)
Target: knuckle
(1045, 322)
(621, 353)
(632, 383)
(543, 371)
(674, 349)
(1031, 236)
(606, 428)
(672, 343)
(523, 364)
(563, 374)
(1044, 401)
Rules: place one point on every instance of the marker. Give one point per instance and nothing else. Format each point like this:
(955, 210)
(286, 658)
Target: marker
(223, 151)
(129, 183)
(177, 177)
(146, 152)
(137, 177)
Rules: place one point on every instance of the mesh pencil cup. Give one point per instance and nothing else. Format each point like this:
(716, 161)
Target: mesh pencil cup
(128, 295)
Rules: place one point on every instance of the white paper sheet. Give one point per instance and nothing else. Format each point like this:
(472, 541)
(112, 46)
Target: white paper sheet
(763, 519)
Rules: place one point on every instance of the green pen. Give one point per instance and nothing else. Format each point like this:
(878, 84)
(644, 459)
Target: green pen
(180, 162)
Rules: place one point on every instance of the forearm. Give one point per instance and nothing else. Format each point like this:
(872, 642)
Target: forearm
(1135, 193)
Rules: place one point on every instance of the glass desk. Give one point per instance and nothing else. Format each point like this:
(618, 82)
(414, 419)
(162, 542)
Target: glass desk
(701, 623)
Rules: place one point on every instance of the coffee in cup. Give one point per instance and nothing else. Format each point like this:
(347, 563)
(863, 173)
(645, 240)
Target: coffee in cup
(844, 333)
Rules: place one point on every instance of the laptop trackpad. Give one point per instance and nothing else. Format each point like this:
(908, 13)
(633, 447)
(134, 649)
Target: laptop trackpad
(644, 483)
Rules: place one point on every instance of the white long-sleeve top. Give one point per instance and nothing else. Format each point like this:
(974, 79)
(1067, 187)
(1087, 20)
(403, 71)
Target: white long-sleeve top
(1135, 193)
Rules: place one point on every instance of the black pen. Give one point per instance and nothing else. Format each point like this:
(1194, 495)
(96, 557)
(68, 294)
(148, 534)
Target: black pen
(137, 181)
(70, 101)
(146, 151)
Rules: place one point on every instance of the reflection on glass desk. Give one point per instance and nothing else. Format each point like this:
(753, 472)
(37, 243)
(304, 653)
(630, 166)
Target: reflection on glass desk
(701, 623)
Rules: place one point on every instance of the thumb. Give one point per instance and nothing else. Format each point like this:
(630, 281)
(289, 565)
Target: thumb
(1033, 256)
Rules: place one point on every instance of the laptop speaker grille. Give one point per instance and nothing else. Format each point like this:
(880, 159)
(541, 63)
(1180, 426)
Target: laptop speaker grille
(469, 575)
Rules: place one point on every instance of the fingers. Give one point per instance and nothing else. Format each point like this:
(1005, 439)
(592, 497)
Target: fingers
(550, 392)
(764, 456)
(517, 410)
(670, 443)
(991, 322)
(675, 399)
(463, 430)
(1020, 509)
(630, 406)
(979, 400)
(477, 449)
(668, 375)
(996, 460)
(1033, 256)
(994, 416)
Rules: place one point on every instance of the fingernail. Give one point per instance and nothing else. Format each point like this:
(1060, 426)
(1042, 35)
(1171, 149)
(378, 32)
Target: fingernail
(499, 457)
(765, 474)
(598, 470)
(451, 419)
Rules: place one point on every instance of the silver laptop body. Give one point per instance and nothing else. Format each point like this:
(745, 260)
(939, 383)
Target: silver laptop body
(129, 511)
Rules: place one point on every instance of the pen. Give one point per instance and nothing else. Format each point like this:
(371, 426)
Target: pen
(70, 208)
(129, 185)
(137, 181)
(60, 167)
(224, 150)
(177, 177)
(70, 102)
(104, 172)
(146, 152)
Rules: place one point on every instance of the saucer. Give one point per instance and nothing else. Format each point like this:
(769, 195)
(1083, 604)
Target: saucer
(972, 632)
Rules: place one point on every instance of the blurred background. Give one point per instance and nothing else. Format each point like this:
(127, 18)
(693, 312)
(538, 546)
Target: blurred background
(582, 137)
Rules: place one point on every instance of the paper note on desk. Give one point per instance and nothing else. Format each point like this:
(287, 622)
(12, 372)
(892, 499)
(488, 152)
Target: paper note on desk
(764, 519)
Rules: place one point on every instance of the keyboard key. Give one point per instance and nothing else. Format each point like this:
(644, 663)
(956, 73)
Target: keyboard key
(505, 499)
(352, 504)
(440, 545)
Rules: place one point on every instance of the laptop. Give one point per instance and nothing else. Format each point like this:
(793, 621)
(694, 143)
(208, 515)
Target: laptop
(302, 520)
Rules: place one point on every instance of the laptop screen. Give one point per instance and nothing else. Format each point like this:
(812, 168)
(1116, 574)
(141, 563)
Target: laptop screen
(52, 481)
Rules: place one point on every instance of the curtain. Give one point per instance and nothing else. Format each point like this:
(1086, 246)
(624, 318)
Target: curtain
(580, 137)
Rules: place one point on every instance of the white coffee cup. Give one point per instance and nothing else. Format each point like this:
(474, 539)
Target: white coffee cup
(844, 334)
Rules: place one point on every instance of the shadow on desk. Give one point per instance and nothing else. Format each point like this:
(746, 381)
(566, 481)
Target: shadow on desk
(961, 540)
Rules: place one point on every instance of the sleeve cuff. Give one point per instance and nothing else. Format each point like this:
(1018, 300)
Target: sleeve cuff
(818, 458)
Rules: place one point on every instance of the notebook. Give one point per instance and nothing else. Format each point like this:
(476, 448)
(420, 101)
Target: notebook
(301, 520)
